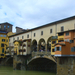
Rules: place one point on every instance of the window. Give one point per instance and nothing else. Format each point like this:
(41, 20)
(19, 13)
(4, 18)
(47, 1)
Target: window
(28, 36)
(58, 48)
(4, 27)
(53, 50)
(17, 38)
(1, 35)
(67, 40)
(53, 42)
(72, 49)
(2, 45)
(3, 40)
(4, 35)
(22, 37)
(2, 54)
(60, 40)
(8, 26)
(50, 30)
(71, 41)
(41, 32)
(60, 34)
(67, 33)
(2, 50)
(34, 34)
(62, 28)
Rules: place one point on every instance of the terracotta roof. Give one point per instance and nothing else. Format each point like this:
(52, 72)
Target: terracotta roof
(60, 44)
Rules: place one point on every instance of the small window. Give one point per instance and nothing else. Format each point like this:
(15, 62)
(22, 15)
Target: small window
(2, 45)
(34, 34)
(1, 35)
(62, 28)
(17, 38)
(53, 50)
(60, 34)
(67, 40)
(71, 41)
(72, 49)
(53, 42)
(2, 54)
(67, 33)
(41, 32)
(22, 37)
(28, 36)
(2, 50)
(57, 48)
(4, 27)
(3, 40)
(8, 26)
(50, 30)
(4, 35)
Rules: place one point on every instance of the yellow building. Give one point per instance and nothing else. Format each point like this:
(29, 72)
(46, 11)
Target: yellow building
(54, 40)
(4, 42)
(60, 37)
(16, 47)
(22, 47)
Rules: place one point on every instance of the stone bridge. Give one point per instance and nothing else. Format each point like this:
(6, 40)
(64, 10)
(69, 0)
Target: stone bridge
(42, 61)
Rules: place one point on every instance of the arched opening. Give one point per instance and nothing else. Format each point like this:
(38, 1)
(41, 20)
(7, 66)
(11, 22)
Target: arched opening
(42, 45)
(34, 45)
(42, 64)
(49, 44)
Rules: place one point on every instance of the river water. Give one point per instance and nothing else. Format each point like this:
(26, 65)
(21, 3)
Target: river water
(5, 70)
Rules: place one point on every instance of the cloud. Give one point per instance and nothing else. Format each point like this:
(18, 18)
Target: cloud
(33, 13)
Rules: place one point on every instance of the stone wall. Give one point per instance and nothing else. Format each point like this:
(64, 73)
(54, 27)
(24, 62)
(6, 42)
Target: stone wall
(65, 66)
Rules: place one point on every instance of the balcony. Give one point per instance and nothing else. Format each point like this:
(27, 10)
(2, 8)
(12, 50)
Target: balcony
(54, 37)
(44, 53)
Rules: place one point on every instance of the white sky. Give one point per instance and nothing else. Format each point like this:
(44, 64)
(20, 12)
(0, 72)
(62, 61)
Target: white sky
(33, 13)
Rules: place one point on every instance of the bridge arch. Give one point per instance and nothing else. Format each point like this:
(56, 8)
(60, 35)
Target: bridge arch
(42, 64)
(9, 61)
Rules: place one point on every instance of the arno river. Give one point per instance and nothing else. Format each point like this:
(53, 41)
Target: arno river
(5, 70)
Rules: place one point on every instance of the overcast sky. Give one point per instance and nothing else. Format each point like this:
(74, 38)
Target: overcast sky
(33, 13)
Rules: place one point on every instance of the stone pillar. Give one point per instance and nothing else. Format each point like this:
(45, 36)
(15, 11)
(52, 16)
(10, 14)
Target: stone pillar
(37, 47)
(46, 47)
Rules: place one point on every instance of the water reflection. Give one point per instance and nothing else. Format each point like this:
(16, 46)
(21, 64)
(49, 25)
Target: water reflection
(5, 70)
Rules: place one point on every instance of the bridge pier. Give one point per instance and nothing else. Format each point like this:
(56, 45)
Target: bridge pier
(66, 66)
(20, 62)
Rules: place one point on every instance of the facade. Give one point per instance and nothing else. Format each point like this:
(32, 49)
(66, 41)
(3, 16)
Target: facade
(6, 26)
(41, 36)
(4, 42)
(56, 38)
